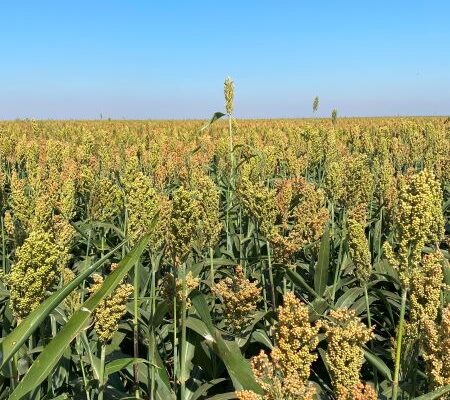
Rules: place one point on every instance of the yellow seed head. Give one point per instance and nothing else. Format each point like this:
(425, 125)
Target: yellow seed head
(239, 299)
(284, 375)
(34, 273)
(110, 311)
(346, 335)
(359, 247)
(437, 349)
(229, 95)
(418, 220)
(171, 288)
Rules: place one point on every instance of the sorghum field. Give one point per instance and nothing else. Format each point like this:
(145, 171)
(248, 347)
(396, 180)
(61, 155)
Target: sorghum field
(248, 259)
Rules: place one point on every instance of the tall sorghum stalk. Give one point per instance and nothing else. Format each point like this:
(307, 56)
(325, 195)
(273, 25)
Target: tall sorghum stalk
(3, 247)
(101, 388)
(151, 331)
(175, 333)
(398, 349)
(136, 328)
(272, 284)
(229, 98)
(183, 334)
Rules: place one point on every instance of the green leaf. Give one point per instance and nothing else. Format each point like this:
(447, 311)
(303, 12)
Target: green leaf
(378, 363)
(322, 267)
(12, 343)
(121, 363)
(217, 115)
(238, 367)
(224, 396)
(300, 281)
(260, 336)
(61, 397)
(49, 357)
(189, 350)
(349, 297)
(203, 389)
(435, 394)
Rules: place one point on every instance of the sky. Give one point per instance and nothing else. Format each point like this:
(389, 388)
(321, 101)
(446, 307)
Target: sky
(168, 59)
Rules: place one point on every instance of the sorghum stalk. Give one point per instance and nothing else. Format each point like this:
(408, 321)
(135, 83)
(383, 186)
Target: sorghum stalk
(151, 353)
(339, 260)
(83, 371)
(183, 332)
(88, 248)
(398, 350)
(366, 296)
(211, 266)
(101, 388)
(3, 247)
(136, 328)
(175, 338)
(211, 269)
(272, 286)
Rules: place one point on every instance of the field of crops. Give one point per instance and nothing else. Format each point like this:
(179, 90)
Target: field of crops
(251, 259)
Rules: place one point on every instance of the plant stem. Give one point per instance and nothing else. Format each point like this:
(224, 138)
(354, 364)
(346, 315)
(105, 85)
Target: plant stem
(183, 334)
(398, 350)
(152, 331)
(337, 273)
(102, 372)
(211, 266)
(369, 316)
(175, 339)
(3, 247)
(272, 286)
(83, 371)
(136, 329)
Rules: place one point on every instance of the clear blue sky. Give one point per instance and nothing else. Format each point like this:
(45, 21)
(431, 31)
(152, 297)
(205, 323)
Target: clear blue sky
(168, 59)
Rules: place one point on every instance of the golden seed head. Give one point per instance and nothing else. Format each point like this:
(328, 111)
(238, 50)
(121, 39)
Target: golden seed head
(301, 217)
(34, 273)
(359, 247)
(229, 95)
(425, 293)
(8, 222)
(109, 312)
(285, 374)
(239, 300)
(346, 335)
(171, 288)
(106, 200)
(247, 395)
(437, 349)
(418, 220)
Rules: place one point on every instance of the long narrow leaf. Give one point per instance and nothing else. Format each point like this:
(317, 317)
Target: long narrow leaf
(378, 363)
(435, 394)
(12, 343)
(238, 367)
(49, 357)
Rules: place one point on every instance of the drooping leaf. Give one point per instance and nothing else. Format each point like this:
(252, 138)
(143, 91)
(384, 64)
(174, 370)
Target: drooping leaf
(20, 334)
(47, 360)
(217, 115)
